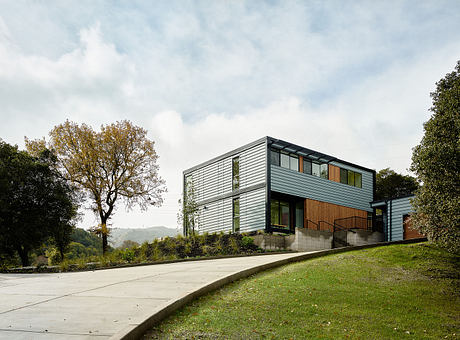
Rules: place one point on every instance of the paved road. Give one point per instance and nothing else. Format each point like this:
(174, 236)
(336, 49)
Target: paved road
(100, 304)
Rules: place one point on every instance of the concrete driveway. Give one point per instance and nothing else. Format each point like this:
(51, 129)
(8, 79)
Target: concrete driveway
(112, 303)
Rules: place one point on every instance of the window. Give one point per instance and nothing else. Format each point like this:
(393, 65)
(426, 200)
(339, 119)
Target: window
(343, 176)
(307, 166)
(236, 215)
(351, 178)
(324, 172)
(294, 162)
(274, 157)
(280, 214)
(358, 180)
(236, 173)
(299, 214)
(315, 169)
(285, 162)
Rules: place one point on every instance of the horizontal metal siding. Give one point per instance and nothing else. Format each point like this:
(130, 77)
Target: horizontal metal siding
(215, 179)
(308, 186)
(216, 217)
(252, 210)
(399, 208)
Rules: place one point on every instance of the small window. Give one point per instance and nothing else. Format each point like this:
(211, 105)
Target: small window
(307, 166)
(275, 211)
(236, 215)
(274, 157)
(285, 214)
(294, 162)
(358, 180)
(285, 161)
(324, 172)
(343, 176)
(236, 173)
(351, 178)
(315, 169)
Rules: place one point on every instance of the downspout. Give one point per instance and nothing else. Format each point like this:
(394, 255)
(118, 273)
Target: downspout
(391, 220)
(267, 187)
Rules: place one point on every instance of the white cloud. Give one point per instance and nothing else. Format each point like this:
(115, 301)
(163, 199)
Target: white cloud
(349, 80)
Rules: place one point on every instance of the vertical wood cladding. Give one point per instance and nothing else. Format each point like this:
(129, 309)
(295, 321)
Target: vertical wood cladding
(322, 211)
(334, 173)
(300, 164)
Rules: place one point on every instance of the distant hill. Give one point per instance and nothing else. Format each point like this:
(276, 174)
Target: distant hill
(139, 235)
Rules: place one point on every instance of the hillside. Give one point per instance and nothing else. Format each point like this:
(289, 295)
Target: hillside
(139, 235)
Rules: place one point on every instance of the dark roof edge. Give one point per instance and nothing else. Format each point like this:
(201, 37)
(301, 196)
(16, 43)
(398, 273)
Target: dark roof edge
(392, 198)
(227, 154)
(271, 139)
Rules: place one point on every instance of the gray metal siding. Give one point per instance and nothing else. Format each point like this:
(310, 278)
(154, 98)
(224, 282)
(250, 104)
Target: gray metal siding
(399, 208)
(308, 186)
(252, 210)
(215, 179)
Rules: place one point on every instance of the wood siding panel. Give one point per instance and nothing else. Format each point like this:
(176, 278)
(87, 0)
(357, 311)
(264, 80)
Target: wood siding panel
(300, 163)
(334, 173)
(316, 211)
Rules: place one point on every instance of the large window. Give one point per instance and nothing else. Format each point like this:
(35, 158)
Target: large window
(274, 157)
(307, 166)
(280, 214)
(236, 215)
(350, 177)
(315, 169)
(324, 172)
(285, 160)
(299, 214)
(236, 173)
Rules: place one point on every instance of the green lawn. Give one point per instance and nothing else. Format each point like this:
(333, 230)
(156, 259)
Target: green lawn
(393, 292)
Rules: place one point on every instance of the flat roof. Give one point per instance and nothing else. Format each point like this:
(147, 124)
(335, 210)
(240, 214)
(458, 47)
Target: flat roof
(281, 145)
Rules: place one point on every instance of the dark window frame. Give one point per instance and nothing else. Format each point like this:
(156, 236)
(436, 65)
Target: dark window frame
(236, 229)
(235, 177)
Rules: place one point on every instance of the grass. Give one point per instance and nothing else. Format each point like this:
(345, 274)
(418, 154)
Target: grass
(393, 292)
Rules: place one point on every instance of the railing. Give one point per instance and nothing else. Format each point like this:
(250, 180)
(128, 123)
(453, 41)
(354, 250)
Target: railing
(353, 222)
(328, 227)
(314, 223)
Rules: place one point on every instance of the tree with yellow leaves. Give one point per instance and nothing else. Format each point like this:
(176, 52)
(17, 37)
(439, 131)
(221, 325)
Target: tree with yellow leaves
(119, 163)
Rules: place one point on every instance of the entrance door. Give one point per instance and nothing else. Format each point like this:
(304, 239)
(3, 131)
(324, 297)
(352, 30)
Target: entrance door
(408, 232)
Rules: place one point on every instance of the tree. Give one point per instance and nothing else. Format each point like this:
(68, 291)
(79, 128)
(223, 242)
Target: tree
(117, 163)
(36, 204)
(436, 162)
(188, 216)
(391, 184)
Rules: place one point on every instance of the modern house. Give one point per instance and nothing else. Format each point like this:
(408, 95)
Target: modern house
(394, 217)
(276, 186)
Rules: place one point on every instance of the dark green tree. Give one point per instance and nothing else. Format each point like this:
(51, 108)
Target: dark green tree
(389, 183)
(436, 162)
(36, 204)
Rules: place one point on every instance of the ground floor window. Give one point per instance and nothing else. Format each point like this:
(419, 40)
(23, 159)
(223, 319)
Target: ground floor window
(236, 215)
(280, 213)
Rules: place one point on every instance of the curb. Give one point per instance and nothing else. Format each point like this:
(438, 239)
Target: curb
(137, 330)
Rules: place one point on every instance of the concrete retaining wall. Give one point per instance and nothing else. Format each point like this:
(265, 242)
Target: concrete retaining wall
(363, 237)
(309, 239)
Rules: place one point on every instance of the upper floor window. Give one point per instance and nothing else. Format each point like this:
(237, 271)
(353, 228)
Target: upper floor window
(235, 173)
(284, 159)
(307, 166)
(350, 177)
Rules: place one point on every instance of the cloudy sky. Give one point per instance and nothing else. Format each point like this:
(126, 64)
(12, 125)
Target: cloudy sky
(347, 78)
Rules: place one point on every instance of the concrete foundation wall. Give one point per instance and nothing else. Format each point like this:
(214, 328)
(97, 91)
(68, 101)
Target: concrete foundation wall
(362, 237)
(270, 242)
(309, 239)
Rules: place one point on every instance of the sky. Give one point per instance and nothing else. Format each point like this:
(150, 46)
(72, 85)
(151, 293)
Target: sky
(347, 78)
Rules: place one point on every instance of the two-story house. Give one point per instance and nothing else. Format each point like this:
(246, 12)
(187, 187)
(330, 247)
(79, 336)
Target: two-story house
(273, 185)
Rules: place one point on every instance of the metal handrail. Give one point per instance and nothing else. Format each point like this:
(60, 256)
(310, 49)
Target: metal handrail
(341, 227)
(317, 225)
(319, 222)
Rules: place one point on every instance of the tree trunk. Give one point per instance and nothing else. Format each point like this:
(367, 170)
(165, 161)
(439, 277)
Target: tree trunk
(24, 255)
(104, 236)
